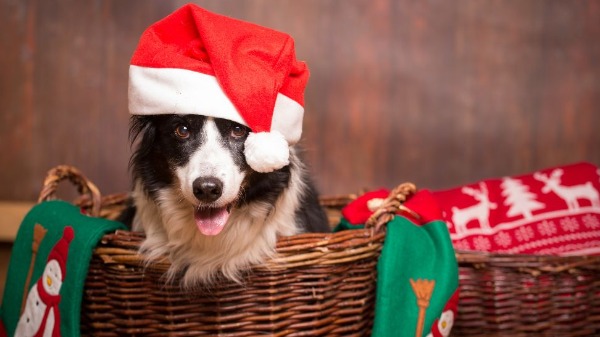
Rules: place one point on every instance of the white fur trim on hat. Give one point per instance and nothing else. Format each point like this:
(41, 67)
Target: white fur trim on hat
(157, 91)
(287, 118)
(266, 151)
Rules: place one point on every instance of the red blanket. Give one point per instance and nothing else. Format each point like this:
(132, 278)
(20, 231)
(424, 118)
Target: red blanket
(552, 211)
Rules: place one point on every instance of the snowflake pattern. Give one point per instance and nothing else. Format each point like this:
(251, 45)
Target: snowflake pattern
(524, 233)
(569, 224)
(503, 239)
(547, 228)
(534, 230)
(591, 221)
(462, 245)
(482, 243)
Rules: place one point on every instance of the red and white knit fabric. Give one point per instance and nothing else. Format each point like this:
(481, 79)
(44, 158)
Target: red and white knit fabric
(553, 211)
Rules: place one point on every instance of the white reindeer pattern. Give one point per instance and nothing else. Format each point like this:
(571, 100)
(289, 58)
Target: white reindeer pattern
(570, 194)
(479, 211)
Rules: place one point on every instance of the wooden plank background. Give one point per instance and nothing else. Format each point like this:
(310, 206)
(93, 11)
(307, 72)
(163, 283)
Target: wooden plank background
(436, 92)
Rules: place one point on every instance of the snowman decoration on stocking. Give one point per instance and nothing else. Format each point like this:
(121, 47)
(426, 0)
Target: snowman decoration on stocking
(41, 316)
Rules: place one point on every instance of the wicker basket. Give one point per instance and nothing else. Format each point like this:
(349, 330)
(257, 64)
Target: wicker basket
(528, 295)
(323, 285)
(316, 285)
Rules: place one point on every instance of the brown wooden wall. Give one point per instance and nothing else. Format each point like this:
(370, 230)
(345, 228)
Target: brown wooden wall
(436, 92)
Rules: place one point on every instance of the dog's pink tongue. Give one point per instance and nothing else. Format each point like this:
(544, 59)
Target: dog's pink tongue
(210, 221)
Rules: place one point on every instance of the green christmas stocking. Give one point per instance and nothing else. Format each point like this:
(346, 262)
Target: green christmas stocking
(417, 272)
(48, 266)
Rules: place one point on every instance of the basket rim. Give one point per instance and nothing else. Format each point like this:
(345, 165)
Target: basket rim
(122, 247)
(540, 263)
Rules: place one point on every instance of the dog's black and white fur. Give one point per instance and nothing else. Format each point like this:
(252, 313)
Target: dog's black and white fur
(187, 167)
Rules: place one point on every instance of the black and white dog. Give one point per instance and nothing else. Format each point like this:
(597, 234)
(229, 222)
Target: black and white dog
(201, 205)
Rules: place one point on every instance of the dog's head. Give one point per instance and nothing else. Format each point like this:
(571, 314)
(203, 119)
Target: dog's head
(201, 158)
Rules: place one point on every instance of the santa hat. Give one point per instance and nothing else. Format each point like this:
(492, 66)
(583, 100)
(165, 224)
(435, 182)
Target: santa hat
(61, 249)
(198, 62)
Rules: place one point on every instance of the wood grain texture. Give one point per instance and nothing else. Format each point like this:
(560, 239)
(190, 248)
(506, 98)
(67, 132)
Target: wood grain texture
(439, 93)
(12, 215)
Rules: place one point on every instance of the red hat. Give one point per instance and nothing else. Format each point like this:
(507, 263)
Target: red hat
(61, 249)
(198, 62)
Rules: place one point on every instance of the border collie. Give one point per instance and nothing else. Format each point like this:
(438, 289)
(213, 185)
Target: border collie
(203, 207)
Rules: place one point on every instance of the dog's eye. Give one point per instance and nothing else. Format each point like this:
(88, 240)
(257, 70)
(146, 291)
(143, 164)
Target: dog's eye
(238, 132)
(182, 132)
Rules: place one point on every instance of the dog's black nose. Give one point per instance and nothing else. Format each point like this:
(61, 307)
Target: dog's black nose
(207, 189)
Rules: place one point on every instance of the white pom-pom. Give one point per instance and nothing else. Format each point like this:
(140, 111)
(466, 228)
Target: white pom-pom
(266, 151)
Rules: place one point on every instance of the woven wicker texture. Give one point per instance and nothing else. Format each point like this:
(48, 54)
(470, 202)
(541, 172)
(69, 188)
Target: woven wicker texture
(315, 285)
(323, 285)
(525, 295)
(318, 286)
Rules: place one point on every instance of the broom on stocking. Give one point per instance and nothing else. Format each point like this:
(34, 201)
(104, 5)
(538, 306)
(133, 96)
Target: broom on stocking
(423, 290)
(38, 235)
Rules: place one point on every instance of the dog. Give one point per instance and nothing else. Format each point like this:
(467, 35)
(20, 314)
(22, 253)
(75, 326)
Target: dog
(201, 205)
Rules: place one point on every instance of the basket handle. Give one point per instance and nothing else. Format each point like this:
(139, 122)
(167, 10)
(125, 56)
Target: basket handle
(391, 205)
(83, 184)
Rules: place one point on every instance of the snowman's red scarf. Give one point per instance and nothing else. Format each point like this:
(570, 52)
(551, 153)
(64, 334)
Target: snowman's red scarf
(51, 302)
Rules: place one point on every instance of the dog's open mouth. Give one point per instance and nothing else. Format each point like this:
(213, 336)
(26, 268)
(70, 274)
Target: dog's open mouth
(211, 220)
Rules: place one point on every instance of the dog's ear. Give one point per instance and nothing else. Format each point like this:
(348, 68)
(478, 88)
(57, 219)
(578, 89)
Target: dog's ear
(137, 126)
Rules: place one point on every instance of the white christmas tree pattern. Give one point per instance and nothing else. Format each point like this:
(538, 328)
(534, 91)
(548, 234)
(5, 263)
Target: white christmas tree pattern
(519, 198)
